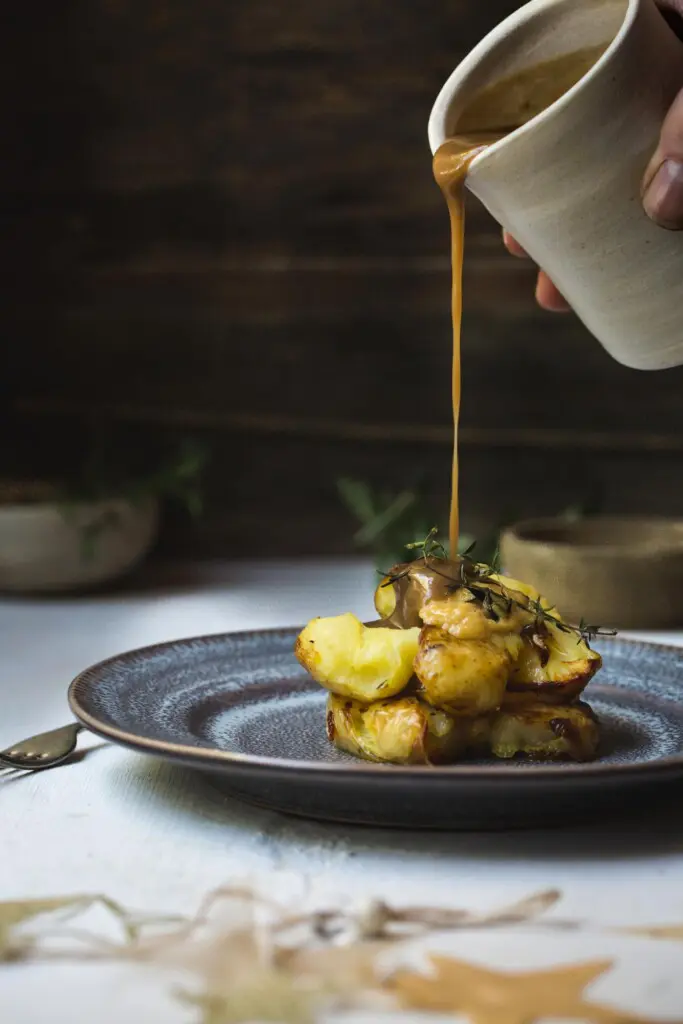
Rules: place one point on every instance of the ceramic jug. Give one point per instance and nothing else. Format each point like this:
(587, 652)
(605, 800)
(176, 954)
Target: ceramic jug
(567, 183)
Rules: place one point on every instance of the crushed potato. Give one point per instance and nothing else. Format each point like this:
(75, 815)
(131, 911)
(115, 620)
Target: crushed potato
(357, 661)
(467, 676)
(461, 658)
(401, 731)
(543, 732)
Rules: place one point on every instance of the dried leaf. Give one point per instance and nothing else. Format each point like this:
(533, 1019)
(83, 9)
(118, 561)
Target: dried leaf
(142, 939)
(251, 961)
(493, 997)
(526, 909)
(342, 969)
(267, 995)
(444, 919)
(14, 913)
(293, 989)
(134, 925)
(673, 932)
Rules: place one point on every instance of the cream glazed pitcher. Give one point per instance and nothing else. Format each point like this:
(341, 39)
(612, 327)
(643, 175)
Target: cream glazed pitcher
(566, 184)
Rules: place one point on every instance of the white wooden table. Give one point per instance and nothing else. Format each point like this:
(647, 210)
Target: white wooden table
(157, 838)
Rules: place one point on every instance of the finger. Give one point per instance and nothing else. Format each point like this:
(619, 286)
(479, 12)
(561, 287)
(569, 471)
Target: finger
(663, 179)
(672, 11)
(513, 246)
(548, 297)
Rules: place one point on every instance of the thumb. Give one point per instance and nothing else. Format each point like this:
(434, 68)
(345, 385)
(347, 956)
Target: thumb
(663, 180)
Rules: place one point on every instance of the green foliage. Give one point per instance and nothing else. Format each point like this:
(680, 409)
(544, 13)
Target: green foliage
(389, 524)
(176, 477)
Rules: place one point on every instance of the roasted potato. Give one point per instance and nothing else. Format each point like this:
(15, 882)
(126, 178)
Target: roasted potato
(543, 732)
(553, 666)
(464, 617)
(430, 591)
(462, 676)
(402, 594)
(517, 587)
(402, 731)
(385, 598)
(357, 661)
(461, 658)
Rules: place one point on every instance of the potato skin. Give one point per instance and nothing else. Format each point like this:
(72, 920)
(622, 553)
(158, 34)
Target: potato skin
(356, 661)
(407, 731)
(542, 732)
(558, 675)
(402, 731)
(461, 676)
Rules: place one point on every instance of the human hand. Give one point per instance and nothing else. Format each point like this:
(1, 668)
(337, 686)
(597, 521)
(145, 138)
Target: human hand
(662, 187)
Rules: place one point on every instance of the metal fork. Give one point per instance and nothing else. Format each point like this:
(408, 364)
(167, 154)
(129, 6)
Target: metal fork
(46, 750)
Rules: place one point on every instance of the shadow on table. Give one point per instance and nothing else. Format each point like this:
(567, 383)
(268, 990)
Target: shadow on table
(622, 837)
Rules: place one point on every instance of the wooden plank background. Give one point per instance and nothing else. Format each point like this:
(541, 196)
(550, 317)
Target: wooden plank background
(219, 220)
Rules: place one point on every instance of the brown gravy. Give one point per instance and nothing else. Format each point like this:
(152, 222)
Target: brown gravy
(494, 112)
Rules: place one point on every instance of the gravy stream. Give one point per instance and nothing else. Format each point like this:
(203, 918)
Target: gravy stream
(494, 113)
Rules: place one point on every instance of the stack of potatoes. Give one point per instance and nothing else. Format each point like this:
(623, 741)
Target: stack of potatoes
(462, 661)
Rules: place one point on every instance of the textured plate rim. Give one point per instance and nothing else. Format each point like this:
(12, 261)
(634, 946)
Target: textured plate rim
(215, 757)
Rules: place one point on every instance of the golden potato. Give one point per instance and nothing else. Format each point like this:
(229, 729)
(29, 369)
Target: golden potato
(467, 618)
(516, 587)
(354, 660)
(462, 676)
(491, 646)
(401, 731)
(402, 594)
(553, 666)
(543, 732)
(385, 598)
(409, 589)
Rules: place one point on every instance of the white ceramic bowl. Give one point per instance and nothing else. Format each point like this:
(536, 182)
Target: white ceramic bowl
(45, 546)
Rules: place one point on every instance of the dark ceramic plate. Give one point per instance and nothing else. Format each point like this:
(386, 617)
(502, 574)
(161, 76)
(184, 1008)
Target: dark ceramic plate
(241, 705)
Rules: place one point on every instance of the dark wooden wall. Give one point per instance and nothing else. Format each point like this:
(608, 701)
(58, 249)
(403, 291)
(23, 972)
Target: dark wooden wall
(219, 219)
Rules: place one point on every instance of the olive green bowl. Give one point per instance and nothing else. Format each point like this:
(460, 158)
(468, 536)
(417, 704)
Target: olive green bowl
(623, 572)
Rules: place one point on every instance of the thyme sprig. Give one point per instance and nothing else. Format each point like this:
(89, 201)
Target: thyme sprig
(393, 577)
(431, 546)
(589, 632)
(480, 579)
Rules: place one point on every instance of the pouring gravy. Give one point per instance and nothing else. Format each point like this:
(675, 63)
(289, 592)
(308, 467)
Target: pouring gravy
(495, 112)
